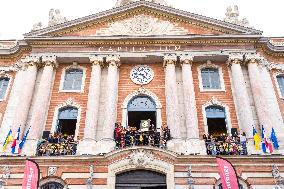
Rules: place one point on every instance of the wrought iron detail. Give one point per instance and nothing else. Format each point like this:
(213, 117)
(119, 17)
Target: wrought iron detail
(190, 178)
(142, 103)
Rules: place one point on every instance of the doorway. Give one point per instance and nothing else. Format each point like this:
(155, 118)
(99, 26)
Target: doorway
(216, 120)
(141, 179)
(141, 108)
(67, 121)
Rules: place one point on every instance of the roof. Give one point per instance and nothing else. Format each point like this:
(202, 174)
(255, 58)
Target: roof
(146, 4)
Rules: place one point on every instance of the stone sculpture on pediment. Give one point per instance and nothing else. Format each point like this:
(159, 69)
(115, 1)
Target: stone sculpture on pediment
(55, 17)
(140, 158)
(142, 25)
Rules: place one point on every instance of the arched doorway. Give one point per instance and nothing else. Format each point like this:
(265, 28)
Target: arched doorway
(67, 120)
(52, 185)
(216, 120)
(140, 109)
(140, 179)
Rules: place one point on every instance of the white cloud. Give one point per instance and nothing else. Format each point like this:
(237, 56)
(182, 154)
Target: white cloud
(18, 16)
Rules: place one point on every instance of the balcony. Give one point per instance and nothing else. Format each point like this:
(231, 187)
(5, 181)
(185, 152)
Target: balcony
(227, 148)
(57, 145)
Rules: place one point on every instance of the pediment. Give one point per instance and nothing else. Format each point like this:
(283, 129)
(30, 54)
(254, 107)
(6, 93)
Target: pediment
(142, 18)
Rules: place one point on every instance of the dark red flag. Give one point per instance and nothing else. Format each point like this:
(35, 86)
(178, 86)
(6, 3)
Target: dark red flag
(228, 174)
(31, 176)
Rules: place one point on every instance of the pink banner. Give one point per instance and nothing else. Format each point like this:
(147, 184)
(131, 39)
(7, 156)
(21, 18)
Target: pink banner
(31, 177)
(227, 174)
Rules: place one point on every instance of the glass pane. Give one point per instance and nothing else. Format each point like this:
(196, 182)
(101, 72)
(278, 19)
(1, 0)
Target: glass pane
(73, 79)
(280, 80)
(215, 112)
(141, 103)
(210, 78)
(3, 87)
(205, 78)
(68, 113)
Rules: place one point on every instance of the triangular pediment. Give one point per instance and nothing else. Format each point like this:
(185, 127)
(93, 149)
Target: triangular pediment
(143, 18)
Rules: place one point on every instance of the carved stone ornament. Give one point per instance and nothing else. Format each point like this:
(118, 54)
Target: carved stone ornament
(141, 74)
(186, 58)
(232, 16)
(142, 25)
(140, 158)
(55, 17)
(37, 26)
(49, 60)
(52, 171)
(96, 60)
(236, 58)
(170, 59)
(69, 102)
(113, 60)
(124, 2)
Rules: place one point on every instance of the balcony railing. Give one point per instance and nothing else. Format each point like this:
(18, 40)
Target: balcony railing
(57, 146)
(226, 148)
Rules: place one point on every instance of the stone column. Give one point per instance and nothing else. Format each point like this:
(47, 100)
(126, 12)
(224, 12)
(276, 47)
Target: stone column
(27, 91)
(85, 146)
(242, 99)
(244, 111)
(258, 92)
(41, 103)
(107, 144)
(173, 120)
(190, 110)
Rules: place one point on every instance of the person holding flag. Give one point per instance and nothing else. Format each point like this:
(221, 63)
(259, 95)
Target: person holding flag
(14, 144)
(8, 139)
(274, 140)
(266, 144)
(256, 139)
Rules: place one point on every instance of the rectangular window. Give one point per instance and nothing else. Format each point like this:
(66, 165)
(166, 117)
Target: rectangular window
(73, 79)
(210, 78)
(4, 82)
(280, 80)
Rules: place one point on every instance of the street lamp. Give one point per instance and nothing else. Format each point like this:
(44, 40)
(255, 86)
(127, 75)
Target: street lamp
(190, 178)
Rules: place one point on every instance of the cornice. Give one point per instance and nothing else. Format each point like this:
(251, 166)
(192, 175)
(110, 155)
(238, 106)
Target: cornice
(147, 8)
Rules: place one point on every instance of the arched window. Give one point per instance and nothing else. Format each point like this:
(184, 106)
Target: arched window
(280, 81)
(216, 120)
(67, 120)
(4, 82)
(210, 78)
(73, 79)
(52, 185)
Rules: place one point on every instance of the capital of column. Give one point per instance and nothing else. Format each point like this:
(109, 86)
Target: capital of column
(49, 60)
(31, 60)
(170, 59)
(113, 60)
(96, 60)
(186, 59)
(253, 58)
(235, 58)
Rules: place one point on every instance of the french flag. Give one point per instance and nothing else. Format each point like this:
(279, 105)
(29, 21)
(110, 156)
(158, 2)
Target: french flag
(266, 144)
(14, 144)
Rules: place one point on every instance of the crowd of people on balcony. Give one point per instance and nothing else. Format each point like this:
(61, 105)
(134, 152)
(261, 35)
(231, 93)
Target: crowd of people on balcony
(225, 144)
(131, 136)
(57, 145)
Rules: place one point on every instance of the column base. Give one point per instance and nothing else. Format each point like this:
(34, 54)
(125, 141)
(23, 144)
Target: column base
(30, 148)
(86, 147)
(105, 146)
(187, 147)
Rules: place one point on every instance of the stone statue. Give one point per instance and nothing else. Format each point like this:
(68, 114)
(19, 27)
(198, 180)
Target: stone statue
(232, 16)
(55, 17)
(37, 26)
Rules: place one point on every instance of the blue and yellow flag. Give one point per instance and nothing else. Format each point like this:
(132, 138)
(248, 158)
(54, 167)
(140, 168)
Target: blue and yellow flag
(256, 139)
(8, 139)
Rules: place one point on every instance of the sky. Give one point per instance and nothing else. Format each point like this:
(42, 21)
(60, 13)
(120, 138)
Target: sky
(18, 16)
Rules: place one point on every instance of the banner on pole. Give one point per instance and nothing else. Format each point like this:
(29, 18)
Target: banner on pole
(31, 175)
(227, 173)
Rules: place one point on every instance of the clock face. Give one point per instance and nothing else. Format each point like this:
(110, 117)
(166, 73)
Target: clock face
(141, 75)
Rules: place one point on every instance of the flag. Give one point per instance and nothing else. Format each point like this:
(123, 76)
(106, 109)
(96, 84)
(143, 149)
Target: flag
(266, 144)
(274, 140)
(227, 173)
(16, 138)
(21, 145)
(8, 139)
(256, 139)
(31, 175)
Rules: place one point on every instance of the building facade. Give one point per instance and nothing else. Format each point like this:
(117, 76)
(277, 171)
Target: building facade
(142, 62)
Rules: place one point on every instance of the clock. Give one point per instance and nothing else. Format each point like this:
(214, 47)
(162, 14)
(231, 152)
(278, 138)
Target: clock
(141, 75)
